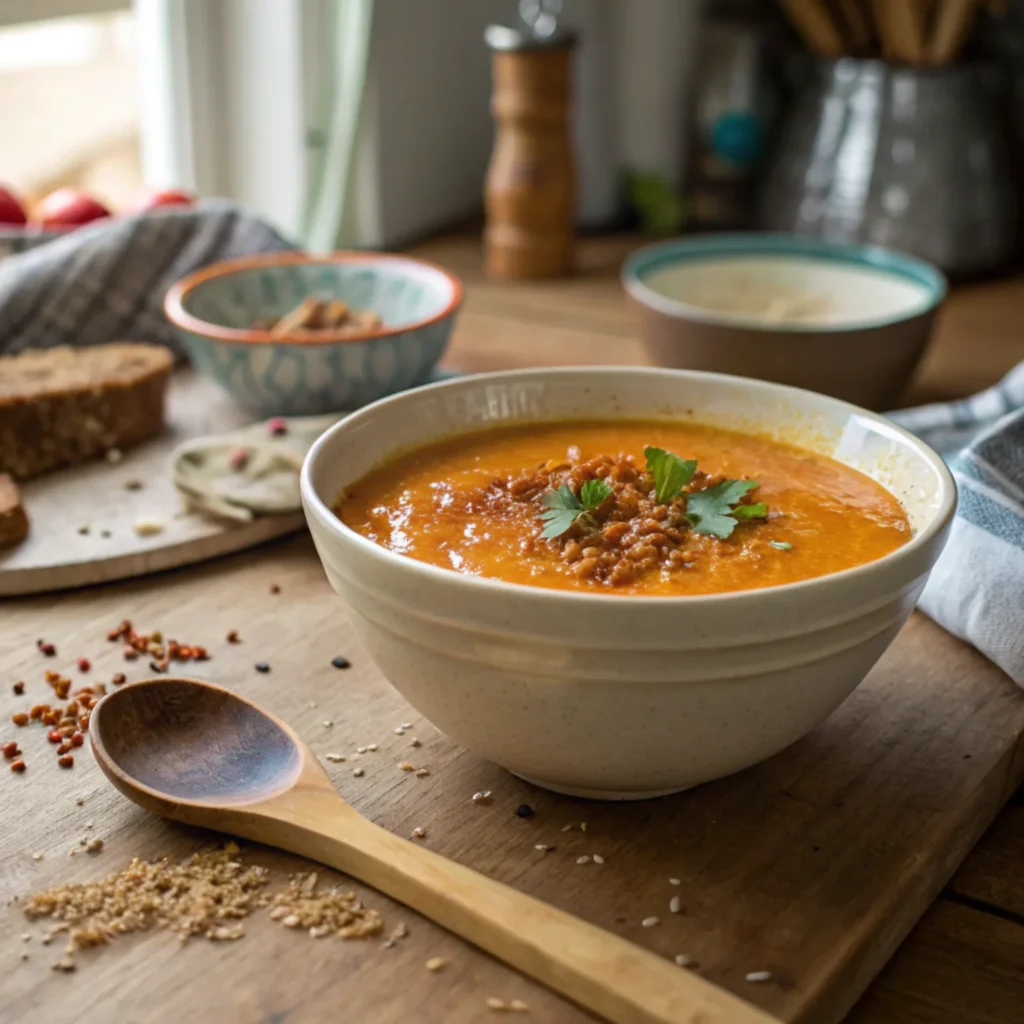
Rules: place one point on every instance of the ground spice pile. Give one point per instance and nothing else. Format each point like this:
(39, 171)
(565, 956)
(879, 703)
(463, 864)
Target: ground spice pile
(208, 895)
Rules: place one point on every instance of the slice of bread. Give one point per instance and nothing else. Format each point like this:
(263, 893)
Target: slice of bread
(13, 520)
(62, 406)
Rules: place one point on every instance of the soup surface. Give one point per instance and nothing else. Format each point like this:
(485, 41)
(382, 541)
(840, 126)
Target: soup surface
(650, 508)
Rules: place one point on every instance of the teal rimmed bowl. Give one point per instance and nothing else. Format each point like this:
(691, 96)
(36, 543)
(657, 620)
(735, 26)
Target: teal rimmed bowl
(214, 309)
(844, 320)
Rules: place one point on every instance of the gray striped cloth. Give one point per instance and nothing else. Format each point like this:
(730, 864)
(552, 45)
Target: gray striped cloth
(106, 281)
(976, 590)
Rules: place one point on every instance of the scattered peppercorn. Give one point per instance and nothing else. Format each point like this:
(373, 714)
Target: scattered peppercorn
(84, 664)
(47, 648)
(239, 459)
(67, 761)
(157, 667)
(19, 689)
(274, 588)
(524, 811)
(64, 748)
(77, 739)
(130, 654)
(262, 666)
(233, 637)
(11, 750)
(277, 426)
(119, 678)
(341, 662)
(19, 718)
(54, 736)
(18, 766)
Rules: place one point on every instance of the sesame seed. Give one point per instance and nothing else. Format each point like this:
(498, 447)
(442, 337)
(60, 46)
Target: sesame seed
(422, 773)
(360, 750)
(674, 881)
(358, 772)
(405, 766)
(757, 976)
(683, 960)
(675, 904)
(419, 833)
(335, 758)
(399, 731)
(482, 798)
(37, 856)
(415, 742)
(649, 922)
(328, 724)
(371, 746)
(583, 826)
(568, 828)
(598, 859)
(496, 1004)
(435, 963)
(543, 847)
(583, 860)
(406, 725)
(518, 1006)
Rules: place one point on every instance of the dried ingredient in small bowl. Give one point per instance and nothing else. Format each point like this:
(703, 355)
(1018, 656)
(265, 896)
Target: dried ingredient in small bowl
(313, 315)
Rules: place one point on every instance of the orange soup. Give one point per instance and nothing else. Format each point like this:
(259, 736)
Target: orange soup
(626, 508)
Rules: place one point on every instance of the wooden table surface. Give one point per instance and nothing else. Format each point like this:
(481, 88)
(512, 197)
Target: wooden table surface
(963, 962)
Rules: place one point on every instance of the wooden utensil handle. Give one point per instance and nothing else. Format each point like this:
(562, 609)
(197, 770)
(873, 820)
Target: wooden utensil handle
(614, 978)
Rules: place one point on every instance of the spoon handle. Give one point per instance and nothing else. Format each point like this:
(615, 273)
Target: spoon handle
(600, 971)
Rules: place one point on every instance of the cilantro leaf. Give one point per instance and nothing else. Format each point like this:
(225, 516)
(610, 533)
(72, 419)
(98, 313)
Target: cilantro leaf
(758, 511)
(562, 508)
(671, 473)
(711, 511)
(593, 492)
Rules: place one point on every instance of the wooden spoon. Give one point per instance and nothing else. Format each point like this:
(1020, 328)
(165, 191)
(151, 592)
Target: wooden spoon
(200, 754)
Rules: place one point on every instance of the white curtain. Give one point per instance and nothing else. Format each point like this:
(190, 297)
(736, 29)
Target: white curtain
(258, 101)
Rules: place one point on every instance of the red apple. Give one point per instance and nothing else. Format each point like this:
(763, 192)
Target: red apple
(165, 197)
(11, 210)
(68, 208)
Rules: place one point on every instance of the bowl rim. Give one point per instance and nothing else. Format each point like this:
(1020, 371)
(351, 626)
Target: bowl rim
(751, 244)
(174, 300)
(316, 507)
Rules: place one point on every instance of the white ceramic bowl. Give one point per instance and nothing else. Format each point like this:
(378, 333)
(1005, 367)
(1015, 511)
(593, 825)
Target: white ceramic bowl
(624, 697)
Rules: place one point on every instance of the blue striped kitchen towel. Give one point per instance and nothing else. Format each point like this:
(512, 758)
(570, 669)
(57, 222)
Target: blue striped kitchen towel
(976, 590)
(106, 281)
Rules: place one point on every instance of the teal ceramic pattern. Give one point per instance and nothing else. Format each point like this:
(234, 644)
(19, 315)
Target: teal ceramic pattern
(290, 379)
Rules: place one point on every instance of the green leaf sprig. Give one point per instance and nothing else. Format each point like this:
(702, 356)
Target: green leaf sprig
(716, 510)
(562, 508)
(671, 473)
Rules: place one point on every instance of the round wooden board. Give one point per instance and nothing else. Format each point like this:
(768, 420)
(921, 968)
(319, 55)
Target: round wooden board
(58, 556)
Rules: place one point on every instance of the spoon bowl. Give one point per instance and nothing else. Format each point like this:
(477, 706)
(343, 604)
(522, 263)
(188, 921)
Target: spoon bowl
(203, 755)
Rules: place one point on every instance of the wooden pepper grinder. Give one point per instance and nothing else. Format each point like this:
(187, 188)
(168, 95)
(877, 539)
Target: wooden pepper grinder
(530, 192)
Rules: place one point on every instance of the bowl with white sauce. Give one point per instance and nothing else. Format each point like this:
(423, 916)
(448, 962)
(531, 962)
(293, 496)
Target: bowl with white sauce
(850, 321)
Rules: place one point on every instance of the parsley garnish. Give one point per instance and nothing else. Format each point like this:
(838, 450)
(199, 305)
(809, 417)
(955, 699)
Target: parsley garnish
(781, 545)
(563, 508)
(716, 510)
(671, 473)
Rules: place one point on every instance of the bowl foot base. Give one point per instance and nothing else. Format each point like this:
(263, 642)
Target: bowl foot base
(603, 794)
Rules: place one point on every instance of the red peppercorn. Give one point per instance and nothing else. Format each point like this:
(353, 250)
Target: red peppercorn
(54, 736)
(233, 637)
(274, 588)
(19, 688)
(77, 739)
(130, 654)
(119, 678)
(276, 426)
(19, 718)
(64, 748)
(66, 761)
(11, 750)
(48, 649)
(84, 664)
(17, 766)
(239, 459)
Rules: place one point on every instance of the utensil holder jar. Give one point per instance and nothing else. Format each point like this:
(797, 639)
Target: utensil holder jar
(914, 159)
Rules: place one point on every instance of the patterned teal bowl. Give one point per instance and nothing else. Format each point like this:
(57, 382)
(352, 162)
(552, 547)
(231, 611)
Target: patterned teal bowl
(214, 309)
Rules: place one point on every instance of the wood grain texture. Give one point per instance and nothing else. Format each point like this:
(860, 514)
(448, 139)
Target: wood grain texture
(812, 866)
(57, 555)
(791, 867)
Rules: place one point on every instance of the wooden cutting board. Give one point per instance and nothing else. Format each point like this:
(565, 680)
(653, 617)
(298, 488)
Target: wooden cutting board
(83, 518)
(812, 866)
